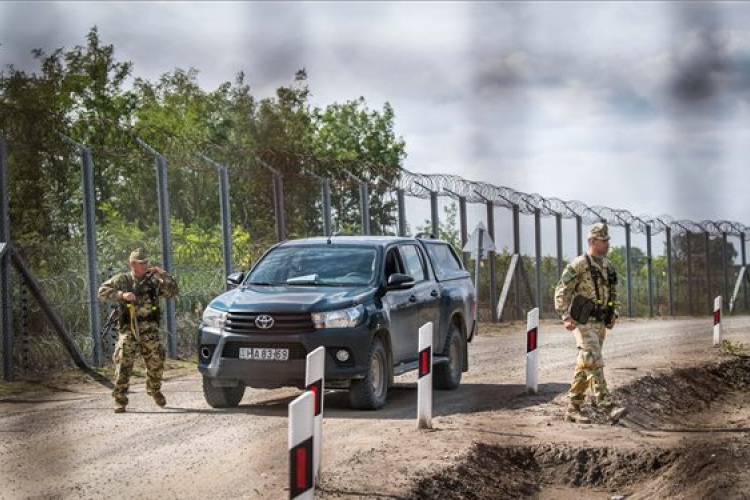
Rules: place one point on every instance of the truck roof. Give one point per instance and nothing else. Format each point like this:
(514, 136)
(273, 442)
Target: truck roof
(376, 241)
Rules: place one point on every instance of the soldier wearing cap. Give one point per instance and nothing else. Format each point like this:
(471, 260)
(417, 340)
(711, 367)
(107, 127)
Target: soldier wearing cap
(137, 293)
(590, 281)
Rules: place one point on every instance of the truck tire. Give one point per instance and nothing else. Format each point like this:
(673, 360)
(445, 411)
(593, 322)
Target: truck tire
(222, 397)
(448, 375)
(371, 392)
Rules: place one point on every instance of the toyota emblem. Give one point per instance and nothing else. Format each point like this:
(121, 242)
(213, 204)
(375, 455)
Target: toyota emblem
(264, 321)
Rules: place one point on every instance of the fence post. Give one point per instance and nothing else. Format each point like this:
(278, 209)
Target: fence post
(327, 217)
(491, 259)
(5, 271)
(538, 252)
(670, 278)
(629, 270)
(435, 215)
(517, 250)
(89, 222)
(709, 293)
(744, 264)
(278, 198)
(464, 228)
(364, 207)
(579, 235)
(689, 272)
(166, 249)
(401, 212)
(558, 232)
(724, 263)
(650, 270)
(226, 219)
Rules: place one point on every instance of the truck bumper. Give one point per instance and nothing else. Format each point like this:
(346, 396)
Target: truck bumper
(218, 356)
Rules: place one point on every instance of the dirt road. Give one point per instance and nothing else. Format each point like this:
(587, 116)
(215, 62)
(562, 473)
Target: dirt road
(72, 445)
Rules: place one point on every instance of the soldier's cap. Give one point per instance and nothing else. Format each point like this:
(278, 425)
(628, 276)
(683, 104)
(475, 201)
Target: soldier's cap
(599, 231)
(139, 255)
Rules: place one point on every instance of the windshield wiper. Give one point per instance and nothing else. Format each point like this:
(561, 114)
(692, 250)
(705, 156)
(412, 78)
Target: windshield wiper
(308, 279)
(261, 283)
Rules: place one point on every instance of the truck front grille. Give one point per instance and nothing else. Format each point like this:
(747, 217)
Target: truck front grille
(283, 323)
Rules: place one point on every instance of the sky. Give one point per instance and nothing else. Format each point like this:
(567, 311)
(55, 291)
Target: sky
(641, 106)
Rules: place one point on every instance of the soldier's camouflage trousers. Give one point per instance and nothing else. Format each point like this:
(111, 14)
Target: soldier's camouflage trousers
(126, 350)
(589, 370)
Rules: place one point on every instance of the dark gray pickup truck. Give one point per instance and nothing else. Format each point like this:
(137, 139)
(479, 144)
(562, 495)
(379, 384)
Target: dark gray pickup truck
(362, 298)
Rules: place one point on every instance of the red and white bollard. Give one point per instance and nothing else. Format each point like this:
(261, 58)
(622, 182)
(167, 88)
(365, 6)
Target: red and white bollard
(424, 384)
(315, 382)
(532, 362)
(301, 485)
(717, 320)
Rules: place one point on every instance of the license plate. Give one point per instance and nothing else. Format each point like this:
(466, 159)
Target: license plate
(264, 354)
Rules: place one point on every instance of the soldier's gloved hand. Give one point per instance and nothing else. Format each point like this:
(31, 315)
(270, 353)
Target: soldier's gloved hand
(157, 270)
(612, 324)
(570, 323)
(128, 297)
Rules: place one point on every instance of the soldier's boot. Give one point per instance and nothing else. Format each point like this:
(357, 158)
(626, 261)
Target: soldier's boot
(573, 414)
(119, 408)
(159, 399)
(615, 413)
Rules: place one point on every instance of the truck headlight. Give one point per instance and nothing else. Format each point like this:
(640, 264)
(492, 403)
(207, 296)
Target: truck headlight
(343, 318)
(214, 318)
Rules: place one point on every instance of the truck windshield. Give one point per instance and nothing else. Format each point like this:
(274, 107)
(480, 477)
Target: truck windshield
(316, 265)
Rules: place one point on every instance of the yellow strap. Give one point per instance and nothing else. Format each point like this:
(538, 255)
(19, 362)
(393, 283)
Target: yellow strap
(132, 319)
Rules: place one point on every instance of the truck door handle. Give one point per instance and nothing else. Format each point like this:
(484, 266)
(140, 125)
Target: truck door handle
(413, 298)
(434, 293)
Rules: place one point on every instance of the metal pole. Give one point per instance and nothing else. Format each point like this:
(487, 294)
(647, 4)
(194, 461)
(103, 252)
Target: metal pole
(364, 207)
(226, 220)
(709, 293)
(89, 223)
(224, 212)
(517, 251)
(725, 265)
(166, 249)
(579, 235)
(558, 228)
(278, 197)
(538, 251)
(744, 264)
(5, 272)
(629, 270)
(464, 228)
(327, 217)
(670, 278)
(491, 258)
(434, 216)
(690, 273)
(650, 271)
(401, 212)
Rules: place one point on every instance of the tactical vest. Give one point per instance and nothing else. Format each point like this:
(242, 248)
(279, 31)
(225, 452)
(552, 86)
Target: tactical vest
(146, 289)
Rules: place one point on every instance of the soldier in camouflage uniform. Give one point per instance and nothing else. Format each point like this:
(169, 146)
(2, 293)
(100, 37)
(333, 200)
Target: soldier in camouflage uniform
(139, 291)
(593, 277)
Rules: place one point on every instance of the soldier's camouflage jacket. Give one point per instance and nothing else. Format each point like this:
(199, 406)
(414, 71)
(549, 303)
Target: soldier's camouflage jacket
(576, 279)
(148, 289)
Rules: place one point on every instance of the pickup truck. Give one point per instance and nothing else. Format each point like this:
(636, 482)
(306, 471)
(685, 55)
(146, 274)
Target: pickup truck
(363, 298)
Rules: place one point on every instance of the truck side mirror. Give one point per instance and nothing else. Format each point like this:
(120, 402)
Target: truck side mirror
(234, 279)
(398, 281)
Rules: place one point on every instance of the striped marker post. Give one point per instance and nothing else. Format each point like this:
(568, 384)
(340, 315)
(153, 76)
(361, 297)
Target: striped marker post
(717, 320)
(424, 384)
(301, 484)
(532, 362)
(315, 382)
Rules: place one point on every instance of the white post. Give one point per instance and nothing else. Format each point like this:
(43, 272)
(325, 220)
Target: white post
(424, 384)
(301, 447)
(717, 320)
(315, 382)
(532, 362)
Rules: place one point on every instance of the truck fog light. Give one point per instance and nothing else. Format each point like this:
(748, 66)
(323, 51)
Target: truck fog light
(342, 355)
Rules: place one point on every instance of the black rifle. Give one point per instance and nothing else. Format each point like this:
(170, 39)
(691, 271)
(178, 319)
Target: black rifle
(111, 320)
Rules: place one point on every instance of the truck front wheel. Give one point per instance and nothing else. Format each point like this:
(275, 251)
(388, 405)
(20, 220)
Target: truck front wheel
(448, 375)
(370, 392)
(222, 397)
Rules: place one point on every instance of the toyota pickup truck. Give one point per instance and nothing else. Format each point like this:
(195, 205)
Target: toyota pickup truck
(363, 298)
